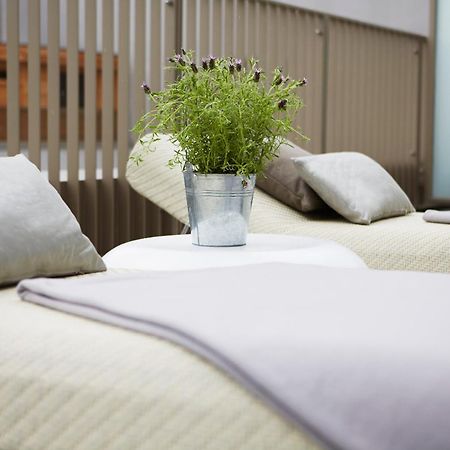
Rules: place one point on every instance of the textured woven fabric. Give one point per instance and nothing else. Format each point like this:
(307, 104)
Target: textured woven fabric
(68, 383)
(400, 243)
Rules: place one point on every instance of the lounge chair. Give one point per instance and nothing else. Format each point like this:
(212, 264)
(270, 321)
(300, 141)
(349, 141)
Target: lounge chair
(400, 243)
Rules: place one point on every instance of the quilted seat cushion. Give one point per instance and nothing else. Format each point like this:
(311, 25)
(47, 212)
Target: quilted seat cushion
(400, 243)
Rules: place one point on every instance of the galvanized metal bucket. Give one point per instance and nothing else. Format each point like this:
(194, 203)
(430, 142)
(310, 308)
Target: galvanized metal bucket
(219, 208)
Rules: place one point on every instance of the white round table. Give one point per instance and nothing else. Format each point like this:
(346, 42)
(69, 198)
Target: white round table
(178, 253)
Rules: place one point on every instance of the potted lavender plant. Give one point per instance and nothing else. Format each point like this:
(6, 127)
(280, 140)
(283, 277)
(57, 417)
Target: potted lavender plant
(228, 123)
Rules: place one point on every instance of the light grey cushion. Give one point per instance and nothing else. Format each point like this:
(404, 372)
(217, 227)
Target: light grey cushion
(354, 185)
(282, 180)
(39, 236)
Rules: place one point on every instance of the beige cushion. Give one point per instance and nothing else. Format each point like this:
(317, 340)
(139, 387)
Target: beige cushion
(354, 185)
(401, 243)
(39, 236)
(282, 180)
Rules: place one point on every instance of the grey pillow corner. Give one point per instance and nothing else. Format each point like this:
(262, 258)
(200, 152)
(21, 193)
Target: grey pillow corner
(39, 235)
(282, 181)
(355, 186)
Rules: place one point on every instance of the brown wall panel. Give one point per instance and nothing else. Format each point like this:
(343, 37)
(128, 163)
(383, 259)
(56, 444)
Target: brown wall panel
(373, 97)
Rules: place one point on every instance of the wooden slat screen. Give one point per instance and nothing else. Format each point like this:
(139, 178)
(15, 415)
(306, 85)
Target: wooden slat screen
(71, 102)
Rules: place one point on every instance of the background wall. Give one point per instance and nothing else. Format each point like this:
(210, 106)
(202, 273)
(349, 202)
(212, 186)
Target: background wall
(411, 16)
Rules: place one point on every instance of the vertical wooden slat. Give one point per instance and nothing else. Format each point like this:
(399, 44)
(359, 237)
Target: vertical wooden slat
(122, 119)
(72, 126)
(155, 42)
(53, 89)
(152, 212)
(169, 47)
(223, 11)
(211, 28)
(137, 202)
(271, 41)
(257, 33)
(178, 25)
(34, 82)
(241, 30)
(229, 25)
(168, 223)
(414, 164)
(289, 45)
(423, 152)
(190, 13)
(197, 27)
(107, 205)
(12, 75)
(203, 28)
(90, 120)
(427, 107)
(263, 34)
(233, 27)
(249, 28)
(216, 31)
(320, 74)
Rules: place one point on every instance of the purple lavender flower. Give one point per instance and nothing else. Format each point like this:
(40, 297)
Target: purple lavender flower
(280, 79)
(180, 60)
(232, 67)
(257, 75)
(194, 67)
(303, 82)
(177, 59)
(238, 63)
(282, 104)
(205, 63)
(145, 87)
(183, 51)
(212, 62)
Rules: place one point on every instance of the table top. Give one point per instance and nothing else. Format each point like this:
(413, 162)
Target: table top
(178, 253)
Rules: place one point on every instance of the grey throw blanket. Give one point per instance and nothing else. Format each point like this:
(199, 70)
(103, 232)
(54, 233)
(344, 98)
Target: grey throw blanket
(359, 358)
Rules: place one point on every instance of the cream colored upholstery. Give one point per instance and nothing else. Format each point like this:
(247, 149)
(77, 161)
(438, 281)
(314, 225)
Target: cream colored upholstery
(401, 243)
(68, 383)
